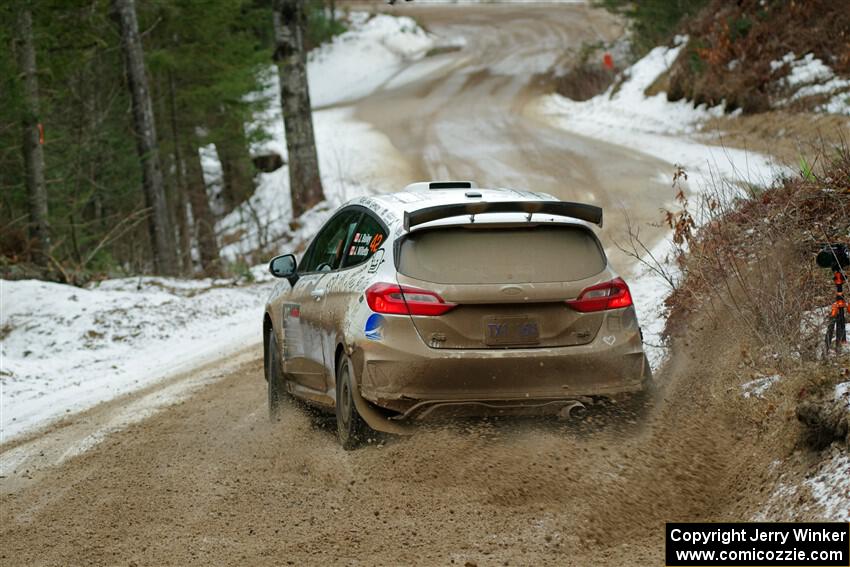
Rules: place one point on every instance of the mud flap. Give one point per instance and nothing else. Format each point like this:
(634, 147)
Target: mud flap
(374, 419)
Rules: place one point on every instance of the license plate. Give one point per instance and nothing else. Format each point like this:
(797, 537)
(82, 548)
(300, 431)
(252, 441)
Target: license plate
(500, 331)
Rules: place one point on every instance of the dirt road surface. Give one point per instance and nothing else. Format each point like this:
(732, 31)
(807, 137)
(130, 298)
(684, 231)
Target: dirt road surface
(208, 480)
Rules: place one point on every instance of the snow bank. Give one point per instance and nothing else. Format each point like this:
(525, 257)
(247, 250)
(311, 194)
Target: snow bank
(66, 349)
(354, 160)
(362, 59)
(822, 492)
(625, 116)
(809, 76)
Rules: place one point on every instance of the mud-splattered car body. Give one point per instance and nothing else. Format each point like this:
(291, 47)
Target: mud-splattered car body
(446, 298)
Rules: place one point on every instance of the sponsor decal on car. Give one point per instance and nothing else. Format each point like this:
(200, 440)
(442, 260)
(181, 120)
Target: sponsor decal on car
(375, 327)
(376, 261)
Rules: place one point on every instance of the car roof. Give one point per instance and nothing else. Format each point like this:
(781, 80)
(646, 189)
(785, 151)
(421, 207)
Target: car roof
(392, 206)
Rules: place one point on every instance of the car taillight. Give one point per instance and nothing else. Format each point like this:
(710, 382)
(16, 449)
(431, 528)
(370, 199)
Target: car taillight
(600, 297)
(405, 300)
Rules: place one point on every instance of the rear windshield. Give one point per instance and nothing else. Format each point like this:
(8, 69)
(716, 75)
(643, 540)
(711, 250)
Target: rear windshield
(501, 255)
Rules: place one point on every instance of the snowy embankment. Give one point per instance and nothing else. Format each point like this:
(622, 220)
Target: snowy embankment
(808, 76)
(65, 349)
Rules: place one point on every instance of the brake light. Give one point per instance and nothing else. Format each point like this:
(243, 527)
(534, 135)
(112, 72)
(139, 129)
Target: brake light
(405, 300)
(600, 297)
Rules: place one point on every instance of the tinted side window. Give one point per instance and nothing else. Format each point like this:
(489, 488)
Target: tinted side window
(328, 248)
(370, 236)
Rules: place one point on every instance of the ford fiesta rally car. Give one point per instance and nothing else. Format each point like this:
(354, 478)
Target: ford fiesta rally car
(447, 299)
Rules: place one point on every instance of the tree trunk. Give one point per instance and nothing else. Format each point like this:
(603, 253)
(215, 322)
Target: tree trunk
(201, 213)
(236, 167)
(183, 220)
(39, 228)
(305, 184)
(159, 223)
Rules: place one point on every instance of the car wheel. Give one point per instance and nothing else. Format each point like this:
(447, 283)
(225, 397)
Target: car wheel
(350, 427)
(274, 377)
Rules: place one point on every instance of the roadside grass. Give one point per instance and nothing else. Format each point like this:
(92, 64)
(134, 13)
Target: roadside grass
(754, 250)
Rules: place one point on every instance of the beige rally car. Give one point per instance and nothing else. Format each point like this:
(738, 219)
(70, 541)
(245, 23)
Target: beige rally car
(448, 299)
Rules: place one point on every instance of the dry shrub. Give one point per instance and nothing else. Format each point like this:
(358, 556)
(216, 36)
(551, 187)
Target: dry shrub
(732, 44)
(585, 81)
(753, 256)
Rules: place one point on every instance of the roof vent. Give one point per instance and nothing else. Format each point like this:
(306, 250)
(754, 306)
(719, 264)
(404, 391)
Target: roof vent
(451, 185)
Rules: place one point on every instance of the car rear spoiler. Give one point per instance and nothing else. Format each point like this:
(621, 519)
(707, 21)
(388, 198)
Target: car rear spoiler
(581, 211)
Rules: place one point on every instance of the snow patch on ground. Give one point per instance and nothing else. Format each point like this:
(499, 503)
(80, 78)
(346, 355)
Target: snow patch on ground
(649, 291)
(357, 62)
(823, 493)
(805, 70)
(757, 387)
(842, 392)
(625, 104)
(624, 115)
(830, 487)
(809, 76)
(354, 160)
(66, 348)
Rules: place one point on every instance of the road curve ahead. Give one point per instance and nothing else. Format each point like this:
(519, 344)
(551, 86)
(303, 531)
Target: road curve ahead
(466, 114)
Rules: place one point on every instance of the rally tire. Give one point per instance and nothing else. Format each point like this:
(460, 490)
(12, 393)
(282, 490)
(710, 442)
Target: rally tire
(350, 427)
(274, 377)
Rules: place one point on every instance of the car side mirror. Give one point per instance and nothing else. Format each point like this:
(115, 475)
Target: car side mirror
(284, 267)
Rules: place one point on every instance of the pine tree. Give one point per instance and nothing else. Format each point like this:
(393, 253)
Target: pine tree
(201, 60)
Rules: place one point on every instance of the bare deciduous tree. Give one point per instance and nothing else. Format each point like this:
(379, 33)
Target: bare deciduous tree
(202, 215)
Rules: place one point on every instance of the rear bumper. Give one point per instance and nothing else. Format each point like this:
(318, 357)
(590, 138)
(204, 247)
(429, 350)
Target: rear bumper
(420, 382)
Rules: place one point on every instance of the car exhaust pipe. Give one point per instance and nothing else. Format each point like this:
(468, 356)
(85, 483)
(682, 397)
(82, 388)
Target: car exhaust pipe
(572, 410)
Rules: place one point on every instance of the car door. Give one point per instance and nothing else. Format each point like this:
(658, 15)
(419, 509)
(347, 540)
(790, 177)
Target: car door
(346, 284)
(303, 352)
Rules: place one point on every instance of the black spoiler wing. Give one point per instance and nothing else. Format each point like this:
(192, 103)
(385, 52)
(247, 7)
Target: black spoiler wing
(581, 211)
